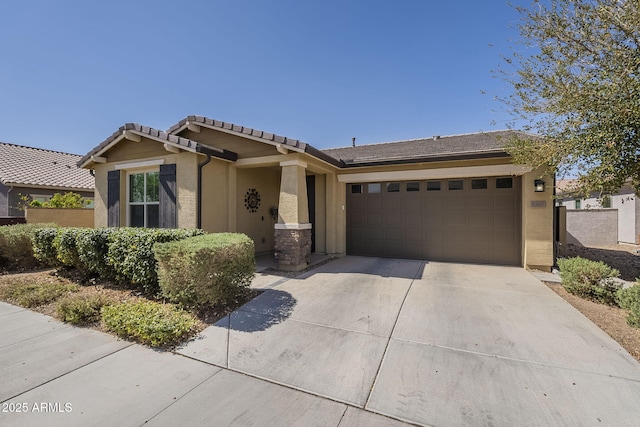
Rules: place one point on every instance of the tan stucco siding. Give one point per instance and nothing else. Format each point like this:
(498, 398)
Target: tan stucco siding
(186, 187)
(186, 182)
(215, 196)
(321, 214)
(258, 225)
(245, 148)
(336, 218)
(64, 217)
(126, 150)
(100, 196)
(537, 223)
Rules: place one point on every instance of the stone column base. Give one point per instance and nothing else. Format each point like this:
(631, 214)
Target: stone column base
(292, 248)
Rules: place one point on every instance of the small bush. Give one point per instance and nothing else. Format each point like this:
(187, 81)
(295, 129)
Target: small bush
(43, 248)
(81, 309)
(16, 246)
(629, 299)
(205, 270)
(130, 253)
(28, 294)
(149, 322)
(592, 280)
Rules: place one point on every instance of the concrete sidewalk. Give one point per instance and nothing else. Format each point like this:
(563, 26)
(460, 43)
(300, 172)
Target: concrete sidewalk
(355, 342)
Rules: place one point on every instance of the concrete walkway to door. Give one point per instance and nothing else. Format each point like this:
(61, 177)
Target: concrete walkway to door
(429, 343)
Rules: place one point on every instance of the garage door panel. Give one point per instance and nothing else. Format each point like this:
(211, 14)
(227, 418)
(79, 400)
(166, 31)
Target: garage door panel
(412, 234)
(475, 224)
(505, 202)
(374, 219)
(456, 219)
(392, 233)
(412, 203)
(481, 219)
(480, 202)
(412, 219)
(504, 220)
(456, 203)
(374, 202)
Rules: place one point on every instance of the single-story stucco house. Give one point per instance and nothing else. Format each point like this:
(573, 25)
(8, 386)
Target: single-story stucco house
(451, 198)
(38, 174)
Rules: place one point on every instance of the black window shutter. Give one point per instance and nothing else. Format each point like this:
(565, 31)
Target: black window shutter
(168, 196)
(113, 199)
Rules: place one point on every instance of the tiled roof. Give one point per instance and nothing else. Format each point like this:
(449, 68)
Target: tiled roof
(483, 143)
(266, 136)
(185, 143)
(27, 166)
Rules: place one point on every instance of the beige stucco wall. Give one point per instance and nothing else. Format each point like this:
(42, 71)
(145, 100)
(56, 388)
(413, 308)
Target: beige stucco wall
(258, 225)
(81, 217)
(216, 187)
(321, 215)
(537, 223)
(336, 221)
(128, 152)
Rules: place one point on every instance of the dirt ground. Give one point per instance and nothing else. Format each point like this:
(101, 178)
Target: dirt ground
(612, 320)
(116, 293)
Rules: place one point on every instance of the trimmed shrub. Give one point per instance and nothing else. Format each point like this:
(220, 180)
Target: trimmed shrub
(588, 279)
(28, 294)
(43, 248)
(629, 299)
(65, 246)
(81, 309)
(149, 322)
(16, 246)
(92, 245)
(131, 255)
(205, 270)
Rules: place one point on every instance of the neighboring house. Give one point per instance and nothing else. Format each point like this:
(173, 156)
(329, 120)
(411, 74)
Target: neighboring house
(39, 174)
(623, 226)
(456, 198)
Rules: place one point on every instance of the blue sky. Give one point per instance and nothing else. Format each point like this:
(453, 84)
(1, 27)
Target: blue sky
(320, 71)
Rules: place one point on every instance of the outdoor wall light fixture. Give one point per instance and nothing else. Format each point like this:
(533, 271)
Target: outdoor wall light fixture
(273, 210)
(538, 185)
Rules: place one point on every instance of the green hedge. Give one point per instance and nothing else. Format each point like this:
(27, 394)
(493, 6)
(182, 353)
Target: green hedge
(131, 255)
(124, 254)
(588, 279)
(205, 270)
(43, 248)
(65, 246)
(16, 246)
(93, 250)
(629, 299)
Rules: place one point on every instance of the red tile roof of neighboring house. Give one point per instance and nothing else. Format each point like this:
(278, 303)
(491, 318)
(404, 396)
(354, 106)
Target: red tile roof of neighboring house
(35, 167)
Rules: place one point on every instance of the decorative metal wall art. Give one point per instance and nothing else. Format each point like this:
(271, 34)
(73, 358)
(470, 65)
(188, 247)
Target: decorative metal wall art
(252, 200)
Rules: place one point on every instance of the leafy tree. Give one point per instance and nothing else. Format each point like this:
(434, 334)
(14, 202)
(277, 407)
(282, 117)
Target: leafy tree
(577, 85)
(66, 200)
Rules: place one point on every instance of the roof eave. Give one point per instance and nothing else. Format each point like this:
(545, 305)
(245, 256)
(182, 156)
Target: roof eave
(430, 159)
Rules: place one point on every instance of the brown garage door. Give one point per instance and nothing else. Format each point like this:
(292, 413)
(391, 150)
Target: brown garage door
(463, 220)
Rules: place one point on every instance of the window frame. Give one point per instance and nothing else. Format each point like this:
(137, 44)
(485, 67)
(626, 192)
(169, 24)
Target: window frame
(129, 203)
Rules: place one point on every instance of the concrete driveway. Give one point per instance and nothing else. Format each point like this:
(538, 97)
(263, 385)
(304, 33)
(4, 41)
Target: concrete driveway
(356, 342)
(431, 343)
